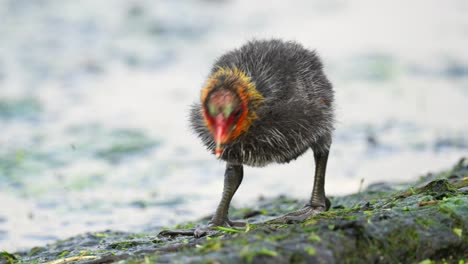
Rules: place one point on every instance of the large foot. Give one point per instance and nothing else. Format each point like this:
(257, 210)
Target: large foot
(298, 216)
(207, 230)
(211, 228)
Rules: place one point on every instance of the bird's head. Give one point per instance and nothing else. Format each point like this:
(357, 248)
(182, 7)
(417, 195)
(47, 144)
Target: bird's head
(229, 101)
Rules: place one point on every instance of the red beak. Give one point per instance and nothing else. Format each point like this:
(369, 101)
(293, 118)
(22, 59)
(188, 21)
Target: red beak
(220, 134)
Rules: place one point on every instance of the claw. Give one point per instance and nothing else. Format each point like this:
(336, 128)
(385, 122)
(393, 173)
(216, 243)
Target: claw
(200, 232)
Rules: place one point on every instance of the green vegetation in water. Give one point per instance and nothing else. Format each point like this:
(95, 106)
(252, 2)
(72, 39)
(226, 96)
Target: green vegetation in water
(22, 108)
(16, 163)
(123, 143)
(423, 222)
(110, 145)
(22, 165)
(372, 67)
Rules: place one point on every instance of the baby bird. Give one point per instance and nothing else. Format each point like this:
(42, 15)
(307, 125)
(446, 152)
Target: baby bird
(266, 102)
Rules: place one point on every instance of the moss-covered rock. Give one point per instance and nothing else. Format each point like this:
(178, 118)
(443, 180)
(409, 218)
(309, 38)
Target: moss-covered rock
(423, 222)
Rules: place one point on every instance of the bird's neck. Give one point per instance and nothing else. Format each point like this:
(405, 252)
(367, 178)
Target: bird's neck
(241, 84)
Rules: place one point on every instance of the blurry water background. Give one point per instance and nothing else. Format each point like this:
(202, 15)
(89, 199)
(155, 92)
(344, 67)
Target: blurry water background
(94, 98)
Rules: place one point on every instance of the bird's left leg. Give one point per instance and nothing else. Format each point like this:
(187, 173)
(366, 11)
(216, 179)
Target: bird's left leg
(232, 179)
(318, 202)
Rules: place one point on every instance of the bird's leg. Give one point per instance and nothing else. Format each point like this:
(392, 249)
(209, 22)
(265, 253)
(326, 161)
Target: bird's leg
(318, 202)
(318, 199)
(232, 179)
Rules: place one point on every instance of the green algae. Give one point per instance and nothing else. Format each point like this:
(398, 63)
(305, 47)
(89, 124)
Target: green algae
(458, 231)
(310, 250)
(124, 143)
(416, 222)
(248, 253)
(314, 237)
(228, 230)
(112, 145)
(211, 245)
(21, 165)
(185, 226)
(63, 254)
(8, 257)
(18, 162)
(36, 250)
(20, 108)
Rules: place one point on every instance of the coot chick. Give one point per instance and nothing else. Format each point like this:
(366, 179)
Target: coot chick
(266, 102)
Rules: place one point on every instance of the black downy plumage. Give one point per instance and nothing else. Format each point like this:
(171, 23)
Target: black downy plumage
(296, 114)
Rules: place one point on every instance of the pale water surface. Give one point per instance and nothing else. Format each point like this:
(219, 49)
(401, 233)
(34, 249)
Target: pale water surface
(94, 98)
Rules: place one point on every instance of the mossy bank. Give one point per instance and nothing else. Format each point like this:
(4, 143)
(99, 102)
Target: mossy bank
(425, 221)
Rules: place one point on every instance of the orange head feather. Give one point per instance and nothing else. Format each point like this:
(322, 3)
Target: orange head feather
(229, 101)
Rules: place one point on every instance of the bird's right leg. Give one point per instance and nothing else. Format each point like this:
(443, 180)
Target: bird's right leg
(232, 179)
(318, 202)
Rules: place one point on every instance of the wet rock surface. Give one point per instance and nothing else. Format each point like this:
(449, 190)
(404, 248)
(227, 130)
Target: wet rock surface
(385, 223)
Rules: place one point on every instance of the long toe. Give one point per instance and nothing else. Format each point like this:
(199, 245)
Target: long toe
(236, 224)
(177, 232)
(211, 228)
(205, 230)
(196, 232)
(298, 216)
